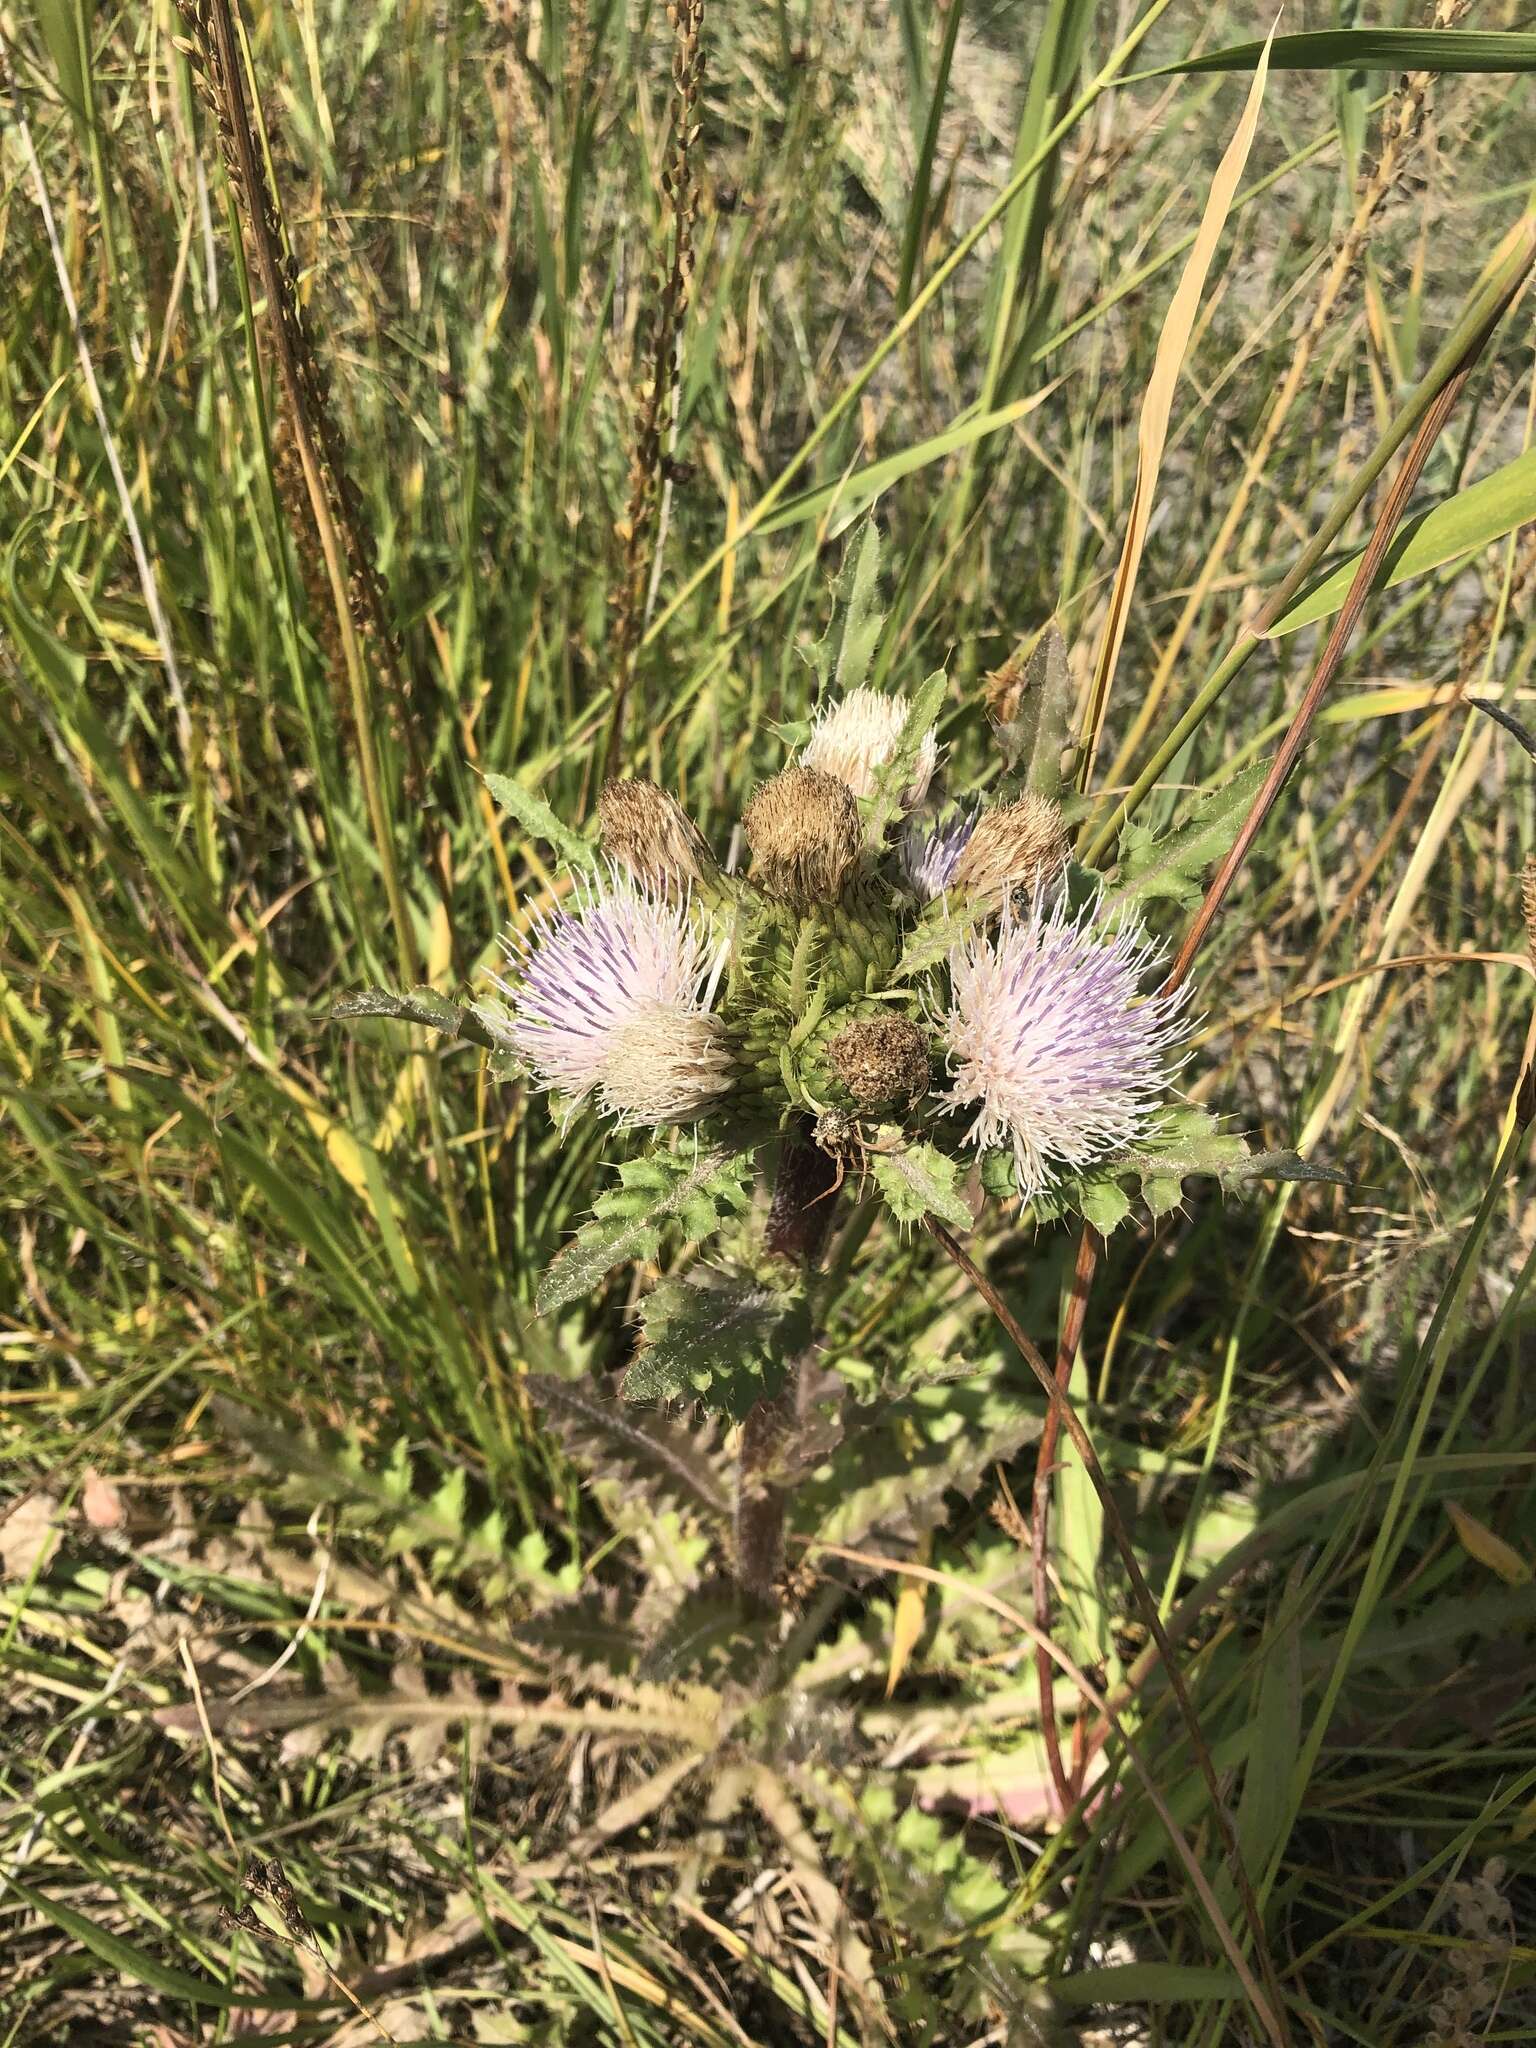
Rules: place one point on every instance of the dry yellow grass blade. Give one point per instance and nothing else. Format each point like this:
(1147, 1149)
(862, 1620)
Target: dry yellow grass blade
(1157, 408)
(1480, 1542)
(911, 1611)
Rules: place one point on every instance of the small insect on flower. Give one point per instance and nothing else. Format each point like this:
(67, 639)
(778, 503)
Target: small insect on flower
(1050, 1041)
(1022, 845)
(930, 852)
(612, 999)
(854, 738)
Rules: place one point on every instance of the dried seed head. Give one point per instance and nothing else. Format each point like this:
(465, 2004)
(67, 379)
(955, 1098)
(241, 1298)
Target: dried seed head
(804, 832)
(1528, 905)
(649, 832)
(1003, 689)
(1021, 845)
(882, 1060)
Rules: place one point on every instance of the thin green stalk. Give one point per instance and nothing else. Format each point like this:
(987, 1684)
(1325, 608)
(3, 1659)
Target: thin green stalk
(1500, 279)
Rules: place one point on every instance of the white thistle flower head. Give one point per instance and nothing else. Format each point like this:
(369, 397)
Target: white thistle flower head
(1051, 1043)
(854, 738)
(613, 999)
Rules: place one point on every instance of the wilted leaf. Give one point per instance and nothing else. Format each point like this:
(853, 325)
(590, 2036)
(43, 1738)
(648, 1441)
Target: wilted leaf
(907, 1621)
(29, 1535)
(100, 1501)
(1479, 1542)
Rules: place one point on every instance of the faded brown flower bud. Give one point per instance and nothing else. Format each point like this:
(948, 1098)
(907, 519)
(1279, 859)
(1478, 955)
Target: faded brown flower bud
(804, 831)
(1003, 689)
(882, 1060)
(1013, 847)
(649, 832)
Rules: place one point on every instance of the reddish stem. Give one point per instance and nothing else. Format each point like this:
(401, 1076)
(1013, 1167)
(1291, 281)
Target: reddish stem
(799, 1220)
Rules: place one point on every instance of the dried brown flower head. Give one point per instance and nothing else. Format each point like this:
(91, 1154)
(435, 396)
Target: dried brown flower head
(649, 832)
(882, 1060)
(804, 831)
(1015, 846)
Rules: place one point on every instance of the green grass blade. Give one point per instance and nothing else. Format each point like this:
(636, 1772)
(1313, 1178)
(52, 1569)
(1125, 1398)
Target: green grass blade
(1368, 49)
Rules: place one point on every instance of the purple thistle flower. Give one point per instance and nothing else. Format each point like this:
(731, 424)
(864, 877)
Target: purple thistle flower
(929, 853)
(613, 998)
(1050, 1043)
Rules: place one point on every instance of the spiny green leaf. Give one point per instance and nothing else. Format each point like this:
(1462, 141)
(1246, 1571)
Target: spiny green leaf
(937, 931)
(1187, 1140)
(893, 1474)
(486, 1024)
(540, 822)
(1171, 865)
(726, 1345)
(1105, 1205)
(612, 1436)
(841, 657)
(1034, 739)
(895, 778)
(660, 1188)
(920, 1181)
(1284, 1166)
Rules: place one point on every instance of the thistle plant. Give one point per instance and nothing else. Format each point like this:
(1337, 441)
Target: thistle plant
(913, 995)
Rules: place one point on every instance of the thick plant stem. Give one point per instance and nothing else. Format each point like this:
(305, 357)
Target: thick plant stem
(799, 1220)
